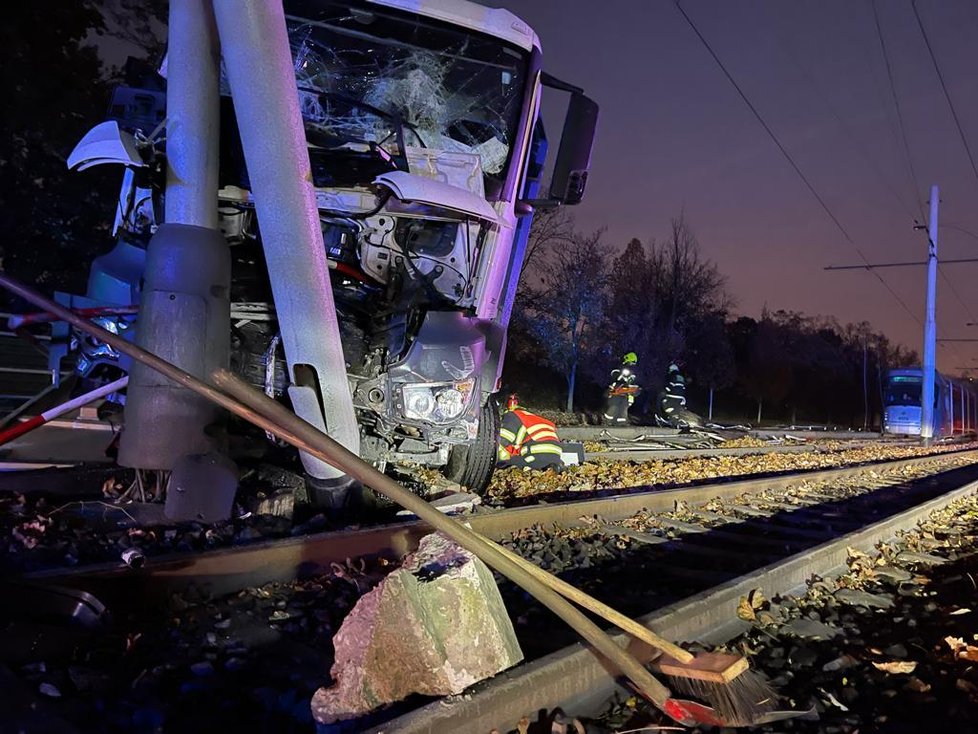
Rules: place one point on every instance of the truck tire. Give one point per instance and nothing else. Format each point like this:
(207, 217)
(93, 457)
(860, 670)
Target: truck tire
(472, 465)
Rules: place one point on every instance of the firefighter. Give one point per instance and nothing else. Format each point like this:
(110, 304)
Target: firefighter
(526, 440)
(622, 391)
(673, 404)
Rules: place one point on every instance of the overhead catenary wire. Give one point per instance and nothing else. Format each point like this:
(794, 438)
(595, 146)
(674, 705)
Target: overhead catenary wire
(791, 161)
(903, 132)
(947, 94)
(957, 124)
(914, 184)
(896, 104)
(857, 144)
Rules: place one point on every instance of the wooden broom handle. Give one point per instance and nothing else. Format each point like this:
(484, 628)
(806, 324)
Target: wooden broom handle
(569, 591)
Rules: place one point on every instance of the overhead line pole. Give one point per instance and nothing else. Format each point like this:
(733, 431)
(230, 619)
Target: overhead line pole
(930, 325)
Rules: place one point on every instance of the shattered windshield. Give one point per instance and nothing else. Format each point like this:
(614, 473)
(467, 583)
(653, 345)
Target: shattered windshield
(369, 76)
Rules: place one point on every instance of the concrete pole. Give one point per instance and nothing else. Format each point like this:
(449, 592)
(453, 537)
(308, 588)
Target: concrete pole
(950, 402)
(258, 63)
(964, 411)
(185, 309)
(193, 63)
(865, 390)
(930, 325)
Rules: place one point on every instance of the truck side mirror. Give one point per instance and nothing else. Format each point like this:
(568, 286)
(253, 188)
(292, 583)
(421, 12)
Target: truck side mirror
(574, 154)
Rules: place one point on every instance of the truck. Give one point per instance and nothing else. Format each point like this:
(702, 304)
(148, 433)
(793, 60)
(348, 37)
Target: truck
(427, 153)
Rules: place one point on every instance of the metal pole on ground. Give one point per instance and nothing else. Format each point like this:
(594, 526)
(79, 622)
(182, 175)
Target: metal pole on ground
(930, 326)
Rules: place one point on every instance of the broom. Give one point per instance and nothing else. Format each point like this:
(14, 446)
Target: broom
(308, 438)
(724, 680)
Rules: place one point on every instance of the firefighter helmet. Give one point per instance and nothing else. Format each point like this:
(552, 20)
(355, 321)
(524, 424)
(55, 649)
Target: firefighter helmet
(674, 367)
(512, 402)
(630, 358)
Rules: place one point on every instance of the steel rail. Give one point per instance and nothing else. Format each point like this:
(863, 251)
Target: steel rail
(229, 570)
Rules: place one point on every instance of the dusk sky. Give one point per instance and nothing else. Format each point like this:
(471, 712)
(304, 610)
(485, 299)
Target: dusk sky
(674, 134)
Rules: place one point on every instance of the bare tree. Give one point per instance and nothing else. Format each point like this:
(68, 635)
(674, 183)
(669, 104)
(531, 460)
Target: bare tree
(567, 310)
(660, 294)
(710, 356)
(551, 229)
(141, 23)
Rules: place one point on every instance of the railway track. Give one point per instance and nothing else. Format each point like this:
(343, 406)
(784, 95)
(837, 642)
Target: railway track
(678, 559)
(648, 452)
(228, 570)
(706, 564)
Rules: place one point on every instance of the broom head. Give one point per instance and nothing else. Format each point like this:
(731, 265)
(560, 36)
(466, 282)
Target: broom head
(739, 695)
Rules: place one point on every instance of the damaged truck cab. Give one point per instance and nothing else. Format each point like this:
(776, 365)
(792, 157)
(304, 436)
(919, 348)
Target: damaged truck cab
(423, 129)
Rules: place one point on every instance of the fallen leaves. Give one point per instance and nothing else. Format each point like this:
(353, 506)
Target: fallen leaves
(955, 643)
(962, 650)
(749, 606)
(896, 667)
(509, 484)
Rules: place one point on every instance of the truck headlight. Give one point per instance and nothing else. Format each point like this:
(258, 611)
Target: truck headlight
(418, 402)
(437, 402)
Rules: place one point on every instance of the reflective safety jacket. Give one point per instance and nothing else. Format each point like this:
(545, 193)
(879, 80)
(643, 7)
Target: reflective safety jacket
(523, 434)
(674, 397)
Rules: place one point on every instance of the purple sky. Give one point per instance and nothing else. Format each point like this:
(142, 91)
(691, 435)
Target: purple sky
(674, 133)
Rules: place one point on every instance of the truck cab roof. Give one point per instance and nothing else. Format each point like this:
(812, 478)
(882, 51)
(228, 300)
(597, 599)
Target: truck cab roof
(497, 22)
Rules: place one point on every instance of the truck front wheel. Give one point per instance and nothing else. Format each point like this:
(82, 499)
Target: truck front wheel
(471, 465)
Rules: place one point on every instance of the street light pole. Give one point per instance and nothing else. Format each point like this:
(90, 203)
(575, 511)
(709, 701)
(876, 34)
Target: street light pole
(930, 326)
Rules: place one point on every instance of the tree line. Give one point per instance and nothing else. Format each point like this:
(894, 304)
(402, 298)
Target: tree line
(583, 303)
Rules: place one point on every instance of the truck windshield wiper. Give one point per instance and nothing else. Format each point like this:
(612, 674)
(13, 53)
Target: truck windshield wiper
(399, 123)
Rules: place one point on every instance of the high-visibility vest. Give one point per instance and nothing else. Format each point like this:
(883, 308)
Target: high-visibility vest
(520, 429)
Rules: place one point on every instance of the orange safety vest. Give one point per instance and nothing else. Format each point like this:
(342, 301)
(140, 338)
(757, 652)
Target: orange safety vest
(526, 429)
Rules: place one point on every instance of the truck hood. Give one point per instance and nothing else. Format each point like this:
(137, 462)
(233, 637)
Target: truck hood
(422, 190)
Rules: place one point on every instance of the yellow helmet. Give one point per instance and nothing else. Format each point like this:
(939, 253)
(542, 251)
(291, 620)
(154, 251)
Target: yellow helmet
(630, 358)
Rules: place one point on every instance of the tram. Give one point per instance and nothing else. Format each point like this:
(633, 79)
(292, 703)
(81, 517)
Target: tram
(955, 404)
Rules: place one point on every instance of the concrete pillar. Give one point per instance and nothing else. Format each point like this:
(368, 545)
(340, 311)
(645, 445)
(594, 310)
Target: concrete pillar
(193, 110)
(258, 64)
(185, 309)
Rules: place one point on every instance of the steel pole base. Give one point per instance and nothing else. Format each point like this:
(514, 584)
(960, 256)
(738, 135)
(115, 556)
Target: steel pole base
(184, 318)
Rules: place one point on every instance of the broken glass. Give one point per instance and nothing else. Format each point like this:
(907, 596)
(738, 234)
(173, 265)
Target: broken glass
(375, 78)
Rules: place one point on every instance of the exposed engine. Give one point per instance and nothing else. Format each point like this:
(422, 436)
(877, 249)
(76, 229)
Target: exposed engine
(390, 268)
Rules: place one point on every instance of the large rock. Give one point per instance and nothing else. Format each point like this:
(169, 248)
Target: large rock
(435, 626)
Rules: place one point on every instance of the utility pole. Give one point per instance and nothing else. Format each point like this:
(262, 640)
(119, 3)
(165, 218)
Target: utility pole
(930, 326)
(865, 390)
